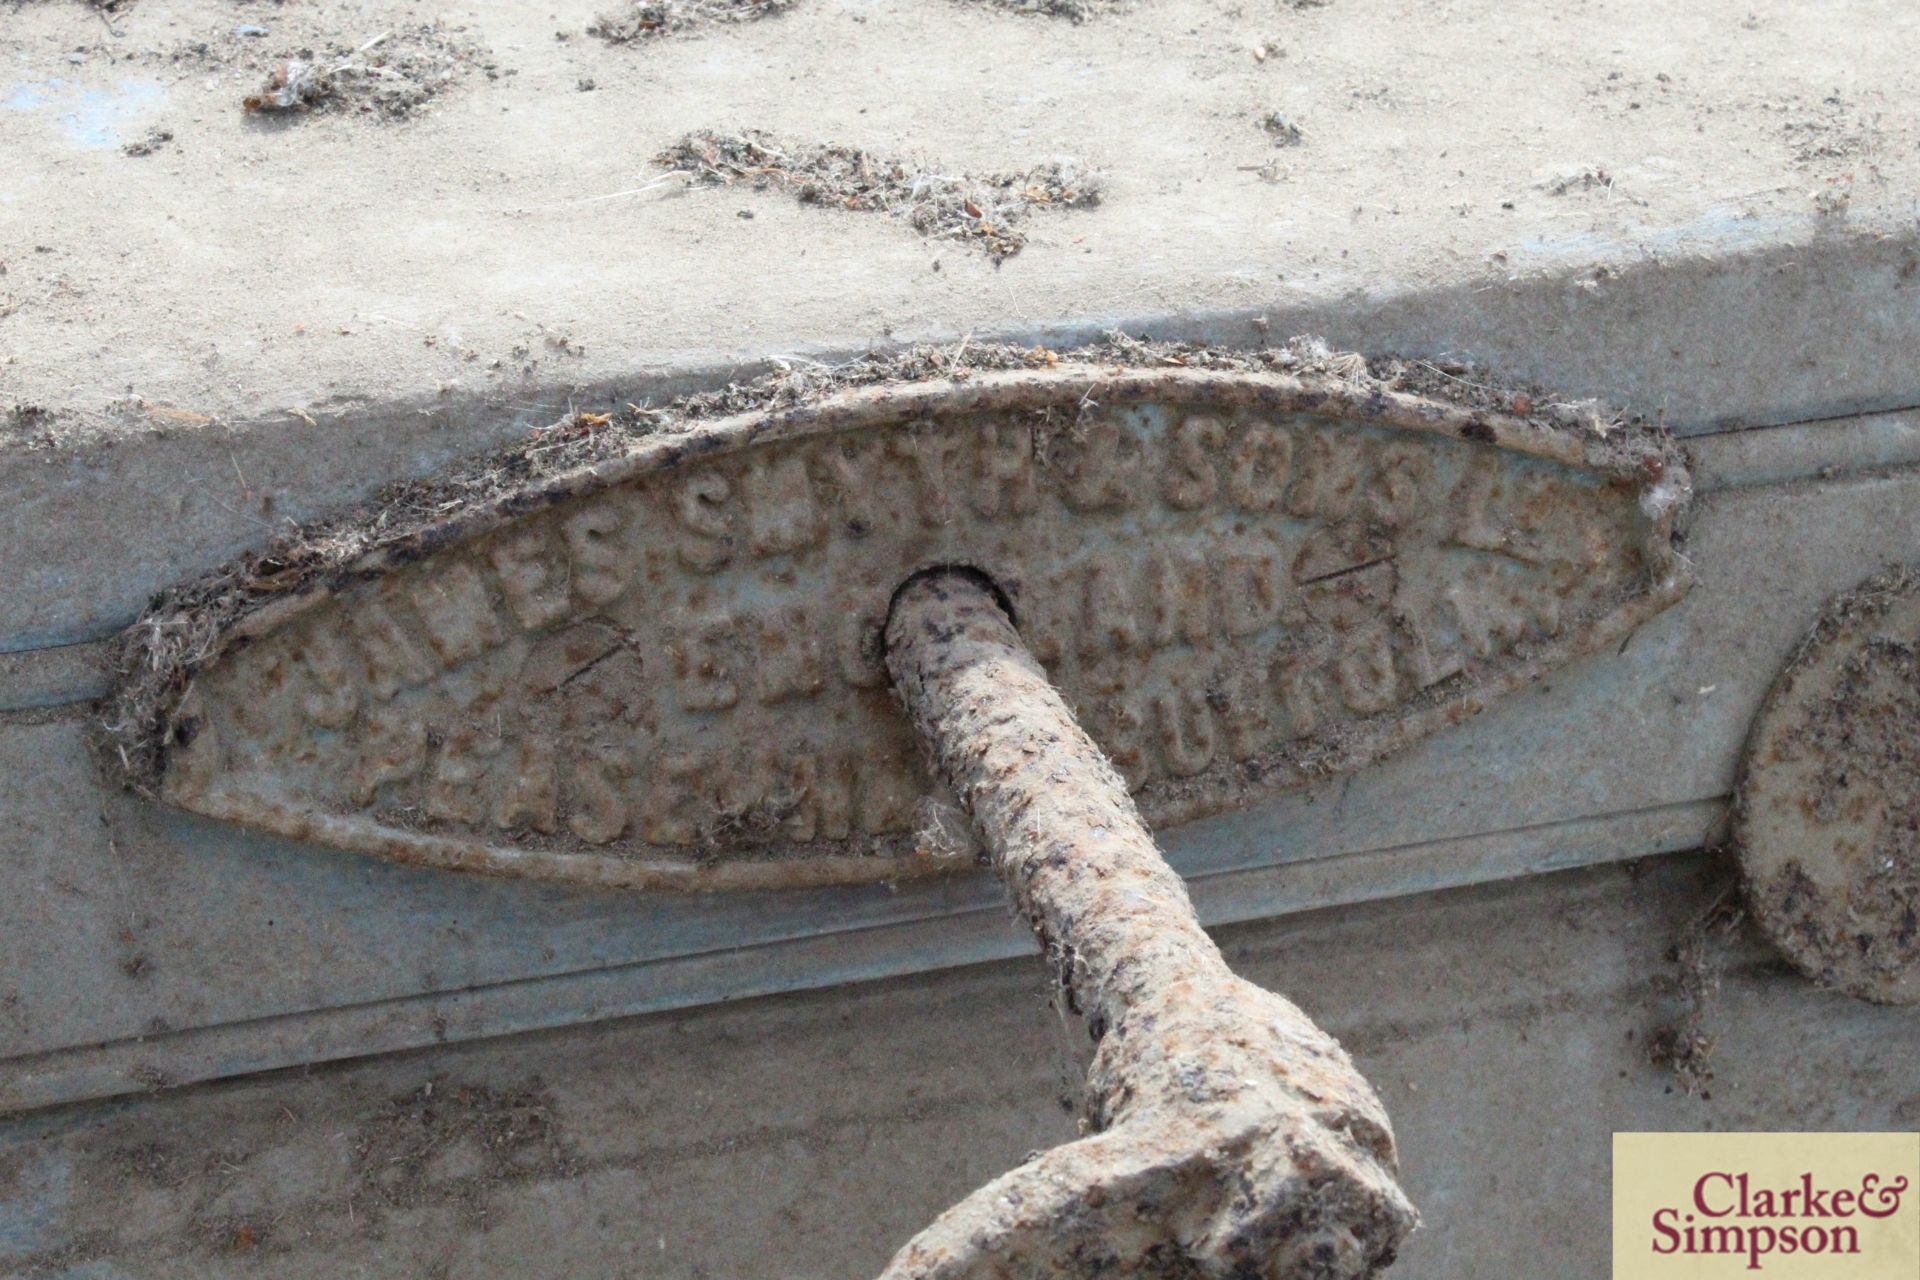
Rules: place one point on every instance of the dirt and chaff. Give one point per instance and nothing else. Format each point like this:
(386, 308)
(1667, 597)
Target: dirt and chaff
(402, 1151)
(1282, 130)
(446, 1144)
(391, 74)
(1685, 1044)
(187, 626)
(1071, 10)
(148, 143)
(642, 20)
(982, 210)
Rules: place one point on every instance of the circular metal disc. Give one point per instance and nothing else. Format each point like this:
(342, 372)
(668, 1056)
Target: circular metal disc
(1828, 812)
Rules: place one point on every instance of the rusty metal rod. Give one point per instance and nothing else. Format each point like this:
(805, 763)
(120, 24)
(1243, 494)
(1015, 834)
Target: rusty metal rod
(1230, 1135)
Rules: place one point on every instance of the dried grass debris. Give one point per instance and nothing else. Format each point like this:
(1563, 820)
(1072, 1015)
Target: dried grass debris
(643, 20)
(981, 210)
(449, 1142)
(1283, 131)
(148, 143)
(1587, 179)
(1685, 1045)
(1832, 129)
(1072, 10)
(391, 75)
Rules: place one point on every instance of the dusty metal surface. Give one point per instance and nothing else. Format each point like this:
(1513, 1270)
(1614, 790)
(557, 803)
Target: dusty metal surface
(803, 1137)
(1229, 1135)
(54, 677)
(1630, 752)
(1828, 809)
(663, 670)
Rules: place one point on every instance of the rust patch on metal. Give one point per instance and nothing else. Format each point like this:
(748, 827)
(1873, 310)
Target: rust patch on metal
(1827, 816)
(664, 669)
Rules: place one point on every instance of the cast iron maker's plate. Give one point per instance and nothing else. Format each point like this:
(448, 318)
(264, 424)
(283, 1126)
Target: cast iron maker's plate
(664, 670)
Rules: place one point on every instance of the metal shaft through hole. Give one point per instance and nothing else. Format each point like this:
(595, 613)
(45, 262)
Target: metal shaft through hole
(1229, 1135)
